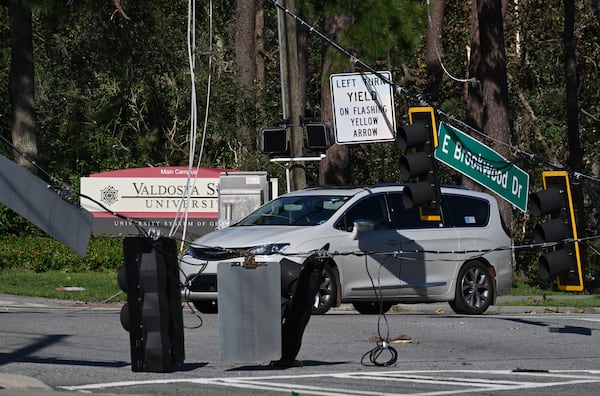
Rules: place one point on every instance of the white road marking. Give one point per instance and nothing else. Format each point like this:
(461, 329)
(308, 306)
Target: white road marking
(478, 381)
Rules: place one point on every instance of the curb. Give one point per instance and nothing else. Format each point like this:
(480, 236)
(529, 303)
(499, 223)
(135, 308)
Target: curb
(21, 382)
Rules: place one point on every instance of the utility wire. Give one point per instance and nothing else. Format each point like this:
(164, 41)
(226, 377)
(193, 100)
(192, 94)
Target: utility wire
(472, 80)
(191, 176)
(419, 98)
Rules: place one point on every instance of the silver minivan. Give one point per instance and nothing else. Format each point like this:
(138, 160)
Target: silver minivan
(379, 253)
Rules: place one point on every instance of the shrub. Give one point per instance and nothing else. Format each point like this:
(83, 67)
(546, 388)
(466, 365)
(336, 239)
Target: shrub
(42, 253)
(11, 223)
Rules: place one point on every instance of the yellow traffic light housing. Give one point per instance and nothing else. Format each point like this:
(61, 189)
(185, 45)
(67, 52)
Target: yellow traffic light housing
(564, 261)
(419, 139)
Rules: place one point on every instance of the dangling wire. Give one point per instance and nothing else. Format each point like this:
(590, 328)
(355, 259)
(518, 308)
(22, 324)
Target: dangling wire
(417, 97)
(383, 343)
(192, 176)
(472, 80)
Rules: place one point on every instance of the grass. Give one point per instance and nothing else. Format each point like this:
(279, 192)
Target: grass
(101, 286)
(555, 302)
(98, 286)
(535, 296)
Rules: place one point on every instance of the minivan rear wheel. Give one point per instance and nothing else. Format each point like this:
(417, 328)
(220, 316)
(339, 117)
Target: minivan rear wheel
(474, 289)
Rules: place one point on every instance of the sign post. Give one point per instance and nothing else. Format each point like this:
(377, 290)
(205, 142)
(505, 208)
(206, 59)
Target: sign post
(483, 165)
(363, 107)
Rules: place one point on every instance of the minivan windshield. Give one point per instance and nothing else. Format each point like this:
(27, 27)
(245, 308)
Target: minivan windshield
(304, 210)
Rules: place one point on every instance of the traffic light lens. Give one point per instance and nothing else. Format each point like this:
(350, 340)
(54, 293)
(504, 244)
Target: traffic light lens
(122, 278)
(417, 194)
(411, 136)
(554, 230)
(555, 263)
(125, 321)
(415, 165)
(545, 202)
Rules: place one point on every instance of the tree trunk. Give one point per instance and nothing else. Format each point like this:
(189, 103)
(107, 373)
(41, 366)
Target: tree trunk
(434, 50)
(334, 169)
(488, 98)
(575, 159)
(475, 100)
(245, 56)
(260, 45)
(293, 96)
(21, 84)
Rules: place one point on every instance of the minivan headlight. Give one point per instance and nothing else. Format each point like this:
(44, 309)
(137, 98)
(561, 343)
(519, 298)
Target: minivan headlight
(266, 250)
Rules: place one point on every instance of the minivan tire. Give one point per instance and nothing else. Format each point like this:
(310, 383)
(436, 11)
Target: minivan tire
(474, 289)
(328, 291)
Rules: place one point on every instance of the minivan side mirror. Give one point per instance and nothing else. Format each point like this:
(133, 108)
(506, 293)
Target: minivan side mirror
(361, 226)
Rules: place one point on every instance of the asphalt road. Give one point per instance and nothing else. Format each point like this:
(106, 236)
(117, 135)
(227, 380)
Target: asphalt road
(56, 346)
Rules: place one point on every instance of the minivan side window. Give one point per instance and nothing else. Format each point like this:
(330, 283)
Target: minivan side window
(403, 218)
(371, 208)
(463, 211)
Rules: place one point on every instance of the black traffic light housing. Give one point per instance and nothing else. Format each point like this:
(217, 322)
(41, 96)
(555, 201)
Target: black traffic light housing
(299, 285)
(564, 262)
(318, 135)
(152, 314)
(419, 140)
(274, 140)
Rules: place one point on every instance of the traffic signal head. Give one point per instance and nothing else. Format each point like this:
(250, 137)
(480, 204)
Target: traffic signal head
(273, 140)
(152, 314)
(318, 136)
(564, 261)
(418, 161)
(419, 139)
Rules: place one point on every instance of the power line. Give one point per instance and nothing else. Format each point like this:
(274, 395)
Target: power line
(419, 98)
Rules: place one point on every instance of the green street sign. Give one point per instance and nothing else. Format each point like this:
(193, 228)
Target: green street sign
(482, 164)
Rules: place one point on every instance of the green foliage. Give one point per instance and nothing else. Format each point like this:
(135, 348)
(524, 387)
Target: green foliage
(12, 223)
(41, 254)
(96, 286)
(382, 33)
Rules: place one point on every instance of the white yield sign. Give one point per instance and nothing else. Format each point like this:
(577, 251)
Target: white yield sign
(363, 107)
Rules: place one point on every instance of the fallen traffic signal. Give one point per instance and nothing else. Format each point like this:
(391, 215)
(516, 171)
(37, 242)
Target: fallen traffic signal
(419, 140)
(152, 314)
(564, 262)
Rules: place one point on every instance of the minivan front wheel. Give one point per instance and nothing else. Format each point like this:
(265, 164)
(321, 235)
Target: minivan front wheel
(474, 289)
(327, 295)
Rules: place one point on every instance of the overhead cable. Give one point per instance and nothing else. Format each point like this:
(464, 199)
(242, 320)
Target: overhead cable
(419, 98)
